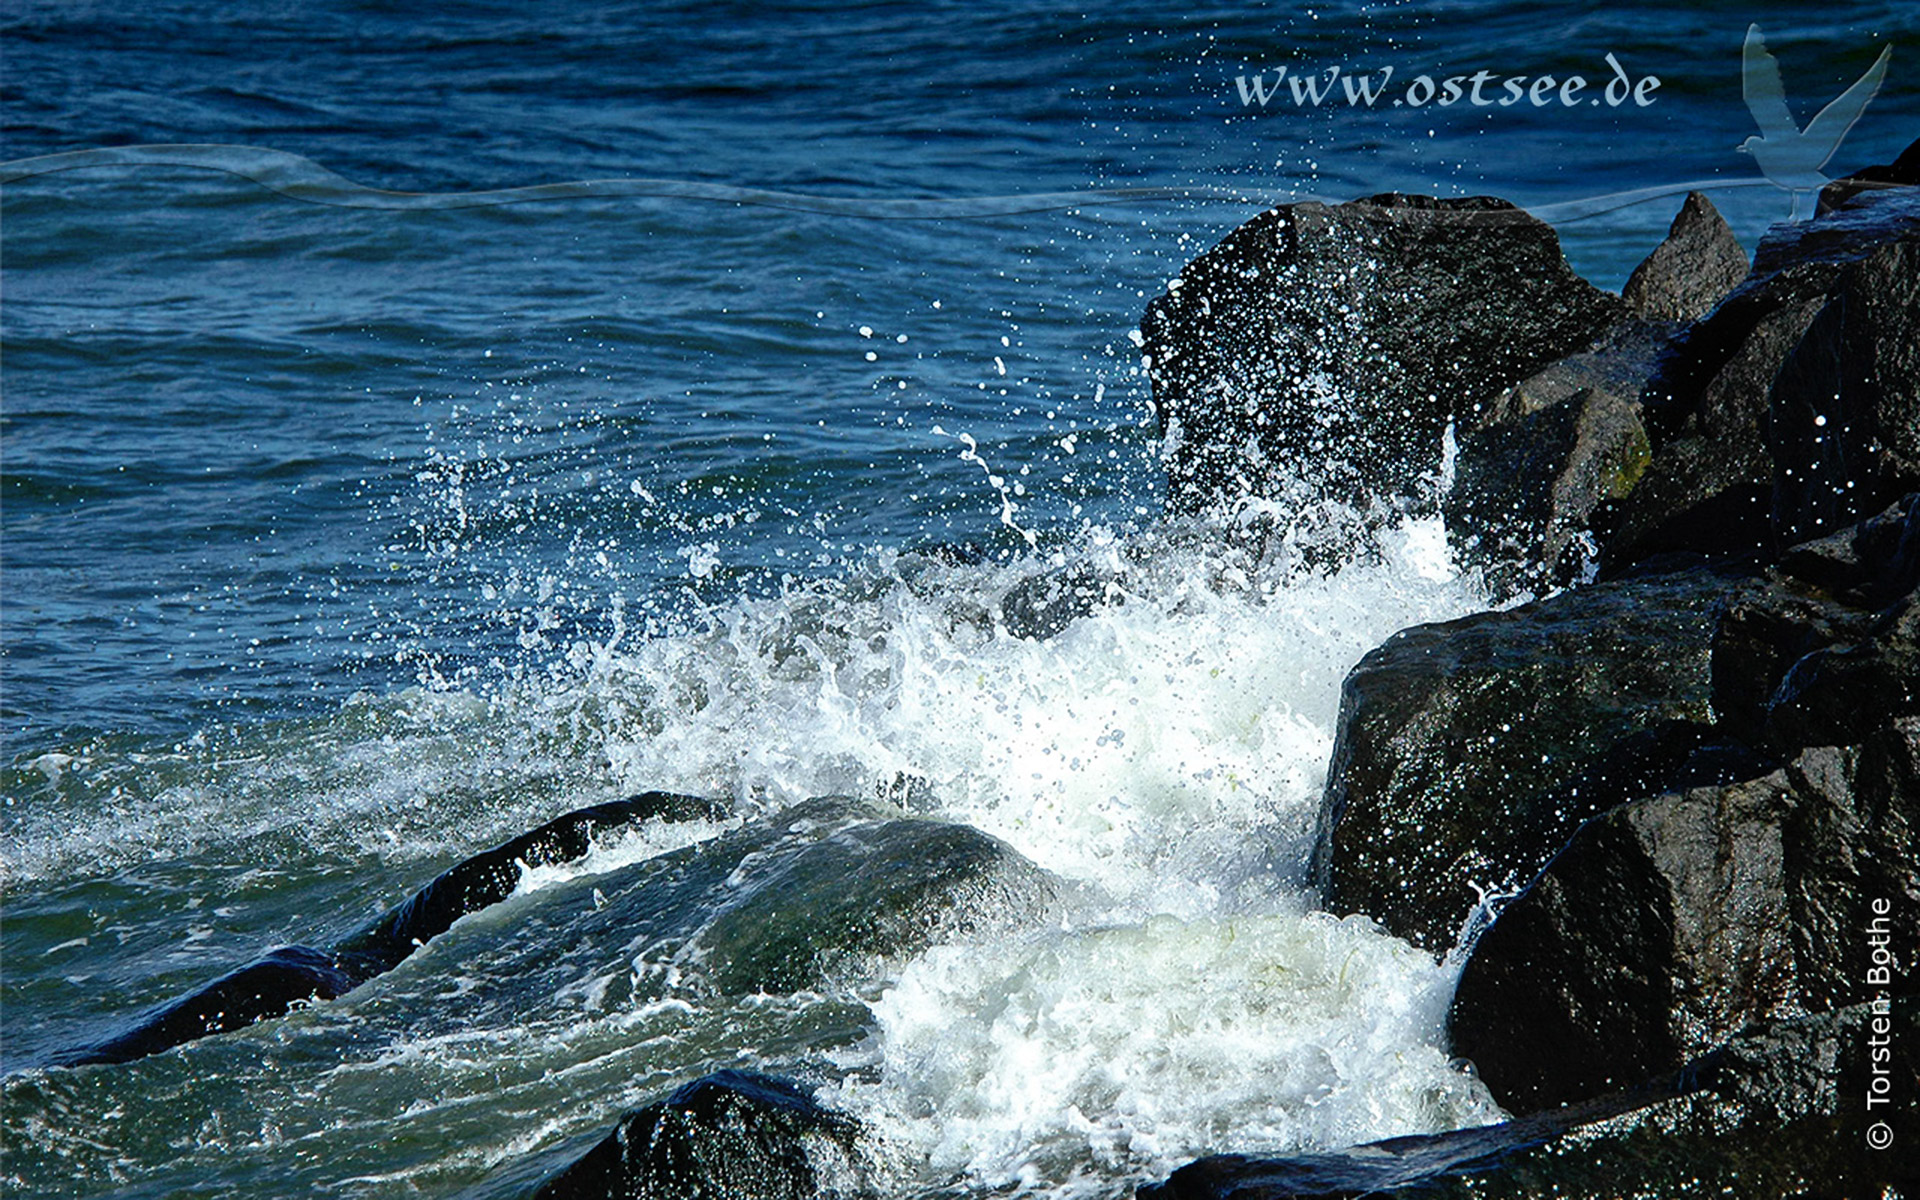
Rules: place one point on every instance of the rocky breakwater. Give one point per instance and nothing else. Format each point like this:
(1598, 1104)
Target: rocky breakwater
(1667, 813)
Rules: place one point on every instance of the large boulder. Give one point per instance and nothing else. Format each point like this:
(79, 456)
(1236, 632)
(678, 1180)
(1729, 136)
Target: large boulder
(1670, 924)
(1318, 353)
(1468, 752)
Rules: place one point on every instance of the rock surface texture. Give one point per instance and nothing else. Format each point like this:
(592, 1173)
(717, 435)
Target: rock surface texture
(1317, 354)
(1680, 798)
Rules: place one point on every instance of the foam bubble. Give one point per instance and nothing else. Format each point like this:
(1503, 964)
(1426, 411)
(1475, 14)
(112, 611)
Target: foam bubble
(1136, 1048)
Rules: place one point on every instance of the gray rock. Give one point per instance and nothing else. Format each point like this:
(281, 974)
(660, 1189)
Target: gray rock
(867, 891)
(1045, 604)
(1691, 271)
(1526, 488)
(1318, 353)
(1462, 746)
(1670, 924)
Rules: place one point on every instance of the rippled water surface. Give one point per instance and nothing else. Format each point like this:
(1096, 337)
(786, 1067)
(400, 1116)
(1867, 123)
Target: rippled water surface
(341, 543)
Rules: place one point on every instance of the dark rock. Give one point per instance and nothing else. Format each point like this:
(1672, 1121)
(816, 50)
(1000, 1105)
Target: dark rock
(1317, 354)
(1826, 619)
(1768, 627)
(293, 975)
(1525, 490)
(1671, 923)
(1836, 694)
(1383, 1168)
(1795, 257)
(1041, 606)
(1844, 418)
(1461, 745)
(1779, 1111)
(1709, 485)
(1902, 171)
(732, 1135)
(1793, 409)
(276, 984)
(491, 876)
(1868, 565)
(1691, 271)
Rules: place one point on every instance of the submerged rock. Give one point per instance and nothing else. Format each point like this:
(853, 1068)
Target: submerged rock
(1045, 604)
(874, 889)
(490, 877)
(290, 976)
(1318, 353)
(1670, 924)
(735, 1135)
(274, 985)
(1468, 752)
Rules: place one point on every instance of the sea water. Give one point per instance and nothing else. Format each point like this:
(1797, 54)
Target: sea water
(342, 543)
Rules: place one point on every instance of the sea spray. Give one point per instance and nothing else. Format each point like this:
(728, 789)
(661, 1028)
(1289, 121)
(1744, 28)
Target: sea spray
(1161, 755)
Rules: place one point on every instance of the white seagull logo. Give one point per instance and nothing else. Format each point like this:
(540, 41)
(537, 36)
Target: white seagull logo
(1788, 156)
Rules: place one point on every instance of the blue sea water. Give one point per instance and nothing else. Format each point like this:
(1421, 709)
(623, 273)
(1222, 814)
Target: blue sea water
(340, 541)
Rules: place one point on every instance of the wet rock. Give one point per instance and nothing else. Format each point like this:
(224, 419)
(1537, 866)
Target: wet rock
(1779, 1111)
(1709, 486)
(1318, 353)
(1868, 565)
(1837, 693)
(1691, 271)
(491, 876)
(1469, 751)
(273, 986)
(732, 1134)
(1902, 171)
(871, 890)
(1828, 618)
(818, 897)
(1043, 605)
(1670, 924)
(291, 976)
(1844, 416)
(1526, 489)
(1793, 409)
(1768, 627)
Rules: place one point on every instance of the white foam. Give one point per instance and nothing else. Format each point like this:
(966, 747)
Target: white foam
(1134, 1049)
